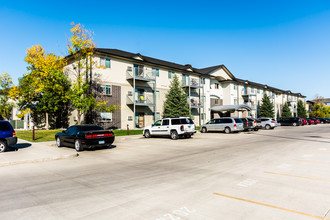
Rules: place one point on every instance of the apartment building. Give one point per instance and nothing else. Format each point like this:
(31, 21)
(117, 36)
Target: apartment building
(139, 84)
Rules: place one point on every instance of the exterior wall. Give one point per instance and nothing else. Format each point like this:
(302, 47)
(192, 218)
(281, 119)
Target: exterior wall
(227, 92)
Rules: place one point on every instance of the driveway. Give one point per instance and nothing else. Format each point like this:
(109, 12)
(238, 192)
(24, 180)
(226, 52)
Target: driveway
(275, 174)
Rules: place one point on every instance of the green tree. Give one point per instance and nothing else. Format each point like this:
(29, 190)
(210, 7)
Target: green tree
(286, 112)
(320, 110)
(81, 48)
(301, 109)
(176, 103)
(6, 106)
(45, 88)
(266, 108)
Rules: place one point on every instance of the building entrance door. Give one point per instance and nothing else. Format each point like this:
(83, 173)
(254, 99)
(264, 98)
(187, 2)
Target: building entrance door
(141, 120)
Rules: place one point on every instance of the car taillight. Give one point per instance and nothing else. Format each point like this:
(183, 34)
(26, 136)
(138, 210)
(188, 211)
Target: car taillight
(273, 121)
(298, 119)
(234, 125)
(99, 135)
(181, 128)
(247, 123)
(14, 133)
(255, 122)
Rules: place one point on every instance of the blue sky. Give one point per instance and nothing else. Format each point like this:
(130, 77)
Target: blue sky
(284, 44)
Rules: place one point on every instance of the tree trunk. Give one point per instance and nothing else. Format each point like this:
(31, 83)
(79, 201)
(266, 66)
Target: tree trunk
(47, 124)
(78, 117)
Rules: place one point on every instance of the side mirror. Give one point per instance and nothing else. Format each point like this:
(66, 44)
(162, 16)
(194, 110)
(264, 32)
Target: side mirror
(152, 125)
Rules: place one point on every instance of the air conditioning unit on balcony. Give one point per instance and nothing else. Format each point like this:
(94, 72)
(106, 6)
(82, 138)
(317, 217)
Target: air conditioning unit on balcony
(129, 93)
(129, 68)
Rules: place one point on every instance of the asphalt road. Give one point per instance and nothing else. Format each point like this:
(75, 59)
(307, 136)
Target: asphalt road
(276, 174)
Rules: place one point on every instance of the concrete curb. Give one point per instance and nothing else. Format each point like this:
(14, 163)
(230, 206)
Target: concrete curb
(39, 160)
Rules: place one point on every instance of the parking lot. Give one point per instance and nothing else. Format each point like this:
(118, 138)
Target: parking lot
(269, 174)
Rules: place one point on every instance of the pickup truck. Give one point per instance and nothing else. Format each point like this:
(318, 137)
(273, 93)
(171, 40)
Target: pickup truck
(85, 136)
(7, 136)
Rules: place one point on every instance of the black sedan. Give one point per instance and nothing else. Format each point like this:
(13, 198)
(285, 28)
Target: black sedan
(85, 136)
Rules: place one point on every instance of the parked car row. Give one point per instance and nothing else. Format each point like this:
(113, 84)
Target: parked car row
(296, 121)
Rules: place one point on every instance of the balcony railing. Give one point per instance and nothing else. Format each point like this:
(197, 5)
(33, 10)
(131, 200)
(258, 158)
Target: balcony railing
(140, 73)
(141, 100)
(195, 102)
(191, 82)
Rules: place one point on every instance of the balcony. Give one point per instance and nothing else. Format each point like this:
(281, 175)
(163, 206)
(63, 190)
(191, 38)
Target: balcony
(141, 100)
(140, 73)
(195, 102)
(247, 97)
(192, 83)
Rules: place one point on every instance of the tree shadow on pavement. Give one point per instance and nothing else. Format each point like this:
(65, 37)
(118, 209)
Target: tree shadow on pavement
(18, 146)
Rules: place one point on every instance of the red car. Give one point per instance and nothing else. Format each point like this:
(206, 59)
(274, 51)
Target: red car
(304, 122)
(317, 121)
(310, 121)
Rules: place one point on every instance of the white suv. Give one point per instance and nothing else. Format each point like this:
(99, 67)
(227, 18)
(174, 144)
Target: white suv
(173, 127)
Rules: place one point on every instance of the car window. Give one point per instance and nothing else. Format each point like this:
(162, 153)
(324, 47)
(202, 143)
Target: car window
(218, 121)
(176, 122)
(237, 120)
(264, 119)
(190, 121)
(88, 128)
(166, 122)
(71, 130)
(227, 120)
(273, 119)
(158, 123)
(5, 127)
(212, 121)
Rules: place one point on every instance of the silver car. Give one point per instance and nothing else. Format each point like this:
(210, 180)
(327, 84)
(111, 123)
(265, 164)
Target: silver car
(227, 125)
(268, 123)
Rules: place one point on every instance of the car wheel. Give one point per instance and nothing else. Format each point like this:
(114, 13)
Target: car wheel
(227, 130)
(256, 129)
(322, 122)
(267, 127)
(58, 142)
(294, 124)
(77, 145)
(204, 130)
(3, 146)
(174, 135)
(147, 134)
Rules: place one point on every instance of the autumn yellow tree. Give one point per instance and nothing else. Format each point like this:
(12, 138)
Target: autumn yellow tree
(45, 87)
(81, 48)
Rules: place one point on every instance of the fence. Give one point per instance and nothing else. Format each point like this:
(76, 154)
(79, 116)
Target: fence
(17, 124)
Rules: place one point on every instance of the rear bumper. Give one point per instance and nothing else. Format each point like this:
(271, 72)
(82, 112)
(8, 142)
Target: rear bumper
(188, 133)
(11, 140)
(91, 143)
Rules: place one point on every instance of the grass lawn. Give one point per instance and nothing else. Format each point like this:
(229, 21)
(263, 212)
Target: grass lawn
(44, 135)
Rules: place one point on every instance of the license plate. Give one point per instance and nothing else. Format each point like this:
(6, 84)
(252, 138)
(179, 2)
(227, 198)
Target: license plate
(101, 142)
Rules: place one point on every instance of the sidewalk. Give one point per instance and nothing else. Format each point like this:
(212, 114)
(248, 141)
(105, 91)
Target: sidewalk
(27, 152)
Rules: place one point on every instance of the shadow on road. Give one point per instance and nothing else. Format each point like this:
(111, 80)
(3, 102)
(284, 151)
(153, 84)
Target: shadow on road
(16, 147)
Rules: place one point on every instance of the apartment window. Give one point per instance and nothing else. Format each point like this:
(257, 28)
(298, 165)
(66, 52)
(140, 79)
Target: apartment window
(157, 95)
(105, 62)
(155, 71)
(203, 81)
(157, 116)
(252, 90)
(106, 115)
(235, 101)
(170, 74)
(235, 87)
(106, 89)
(216, 101)
(203, 116)
(258, 91)
(216, 85)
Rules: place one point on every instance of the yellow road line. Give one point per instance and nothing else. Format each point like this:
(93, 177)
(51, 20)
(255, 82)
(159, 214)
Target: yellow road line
(304, 177)
(272, 206)
(313, 161)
